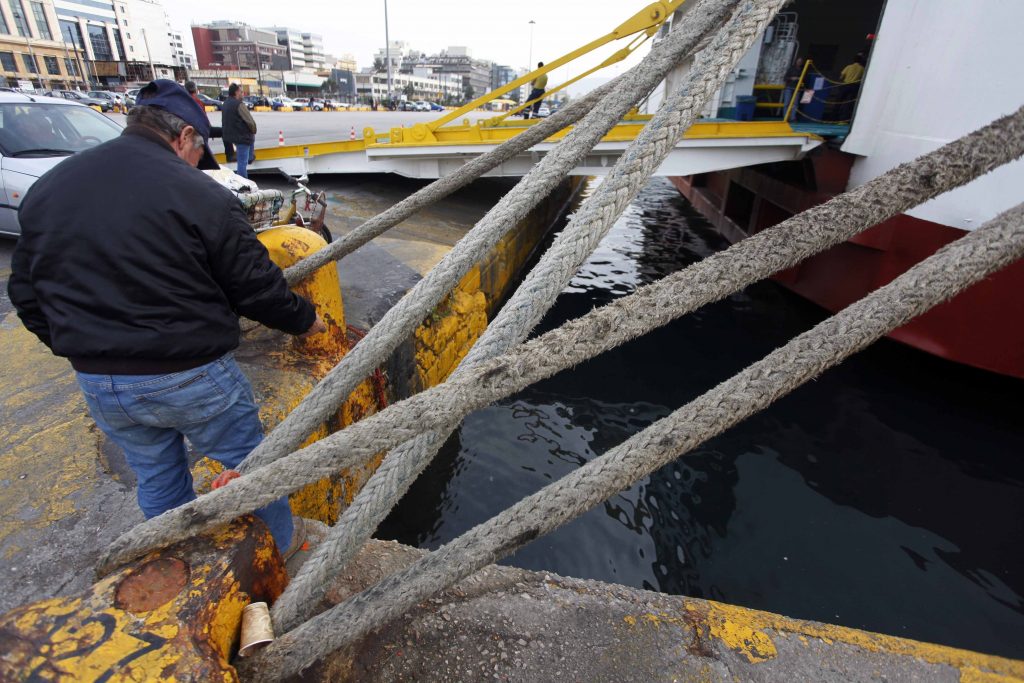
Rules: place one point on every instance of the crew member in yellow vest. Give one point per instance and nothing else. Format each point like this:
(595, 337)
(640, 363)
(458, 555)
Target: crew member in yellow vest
(853, 73)
(538, 85)
(851, 76)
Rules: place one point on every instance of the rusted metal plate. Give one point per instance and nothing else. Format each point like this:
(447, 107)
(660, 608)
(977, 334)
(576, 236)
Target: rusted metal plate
(153, 584)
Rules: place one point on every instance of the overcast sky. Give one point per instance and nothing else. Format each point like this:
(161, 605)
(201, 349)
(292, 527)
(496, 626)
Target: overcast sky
(494, 31)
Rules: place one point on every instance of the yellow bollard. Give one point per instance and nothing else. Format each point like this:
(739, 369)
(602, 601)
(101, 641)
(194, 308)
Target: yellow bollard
(287, 245)
(172, 616)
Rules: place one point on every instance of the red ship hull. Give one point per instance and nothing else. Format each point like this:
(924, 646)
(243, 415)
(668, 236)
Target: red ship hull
(983, 326)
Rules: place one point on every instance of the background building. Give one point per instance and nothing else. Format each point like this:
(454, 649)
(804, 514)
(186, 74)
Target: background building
(503, 75)
(230, 44)
(454, 63)
(346, 61)
(32, 54)
(95, 26)
(305, 50)
(149, 37)
(372, 86)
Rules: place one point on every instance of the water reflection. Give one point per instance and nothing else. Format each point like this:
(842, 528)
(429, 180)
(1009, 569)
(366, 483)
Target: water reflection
(885, 495)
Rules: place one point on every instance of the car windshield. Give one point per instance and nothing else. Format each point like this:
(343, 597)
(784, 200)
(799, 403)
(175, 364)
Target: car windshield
(39, 129)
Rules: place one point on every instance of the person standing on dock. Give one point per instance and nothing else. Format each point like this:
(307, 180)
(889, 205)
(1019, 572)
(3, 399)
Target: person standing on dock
(538, 86)
(239, 129)
(145, 301)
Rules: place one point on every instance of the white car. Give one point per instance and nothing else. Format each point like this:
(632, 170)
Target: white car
(421, 105)
(36, 134)
(282, 101)
(543, 111)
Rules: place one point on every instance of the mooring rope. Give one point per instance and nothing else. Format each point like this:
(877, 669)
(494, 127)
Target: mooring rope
(622, 320)
(405, 316)
(936, 279)
(535, 295)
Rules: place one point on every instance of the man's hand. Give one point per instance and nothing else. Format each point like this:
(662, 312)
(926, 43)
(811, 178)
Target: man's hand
(316, 328)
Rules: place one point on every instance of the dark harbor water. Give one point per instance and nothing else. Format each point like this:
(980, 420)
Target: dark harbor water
(887, 495)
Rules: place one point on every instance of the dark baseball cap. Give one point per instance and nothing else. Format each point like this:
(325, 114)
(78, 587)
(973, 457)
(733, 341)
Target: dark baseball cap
(167, 95)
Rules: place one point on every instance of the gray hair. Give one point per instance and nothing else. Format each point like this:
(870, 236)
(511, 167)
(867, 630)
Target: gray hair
(162, 122)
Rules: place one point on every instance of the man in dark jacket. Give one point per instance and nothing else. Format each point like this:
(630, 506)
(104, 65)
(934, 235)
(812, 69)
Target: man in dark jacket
(239, 129)
(215, 132)
(145, 301)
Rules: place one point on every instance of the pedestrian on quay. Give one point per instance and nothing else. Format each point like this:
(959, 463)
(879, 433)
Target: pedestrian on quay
(215, 131)
(145, 303)
(239, 129)
(537, 86)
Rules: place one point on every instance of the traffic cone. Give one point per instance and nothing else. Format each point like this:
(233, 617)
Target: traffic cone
(280, 138)
(352, 133)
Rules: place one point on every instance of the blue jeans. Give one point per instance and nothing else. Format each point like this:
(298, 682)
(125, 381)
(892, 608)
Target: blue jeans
(245, 154)
(149, 416)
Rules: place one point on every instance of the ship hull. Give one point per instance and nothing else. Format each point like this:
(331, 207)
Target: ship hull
(982, 327)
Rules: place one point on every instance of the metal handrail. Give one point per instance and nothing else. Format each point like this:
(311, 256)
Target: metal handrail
(648, 20)
(796, 90)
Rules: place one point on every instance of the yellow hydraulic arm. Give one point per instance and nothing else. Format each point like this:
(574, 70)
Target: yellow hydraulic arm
(648, 20)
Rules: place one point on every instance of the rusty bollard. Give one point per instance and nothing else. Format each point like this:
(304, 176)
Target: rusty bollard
(172, 615)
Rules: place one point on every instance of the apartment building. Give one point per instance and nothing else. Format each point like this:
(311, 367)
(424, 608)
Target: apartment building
(305, 50)
(232, 44)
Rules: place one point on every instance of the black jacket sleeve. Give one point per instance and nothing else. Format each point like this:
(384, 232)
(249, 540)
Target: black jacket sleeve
(23, 295)
(255, 286)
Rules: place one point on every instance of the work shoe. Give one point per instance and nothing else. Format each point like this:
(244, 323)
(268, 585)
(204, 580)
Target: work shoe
(315, 532)
(298, 538)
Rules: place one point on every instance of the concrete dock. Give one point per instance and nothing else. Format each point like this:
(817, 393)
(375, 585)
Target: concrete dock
(505, 624)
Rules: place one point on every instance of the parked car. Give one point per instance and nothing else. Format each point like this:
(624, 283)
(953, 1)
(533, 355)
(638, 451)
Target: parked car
(131, 95)
(209, 101)
(421, 105)
(116, 99)
(406, 105)
(82, 98)
(256, 101)
(282, 101)
(434, 106)
(36, 134)
(543, 111)
(318, 105)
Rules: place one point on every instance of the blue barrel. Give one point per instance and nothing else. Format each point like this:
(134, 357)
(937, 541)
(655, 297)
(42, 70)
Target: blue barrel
(746, 105)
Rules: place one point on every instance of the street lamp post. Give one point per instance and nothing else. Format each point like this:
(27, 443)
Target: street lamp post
(259, 71)
(149, 55)
(529, 62)
(387, 49)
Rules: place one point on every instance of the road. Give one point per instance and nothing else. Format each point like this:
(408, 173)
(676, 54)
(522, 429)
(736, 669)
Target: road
(306, 127)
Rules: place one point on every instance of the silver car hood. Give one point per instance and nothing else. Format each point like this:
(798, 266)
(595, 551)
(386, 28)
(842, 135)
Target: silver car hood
(31, 166)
